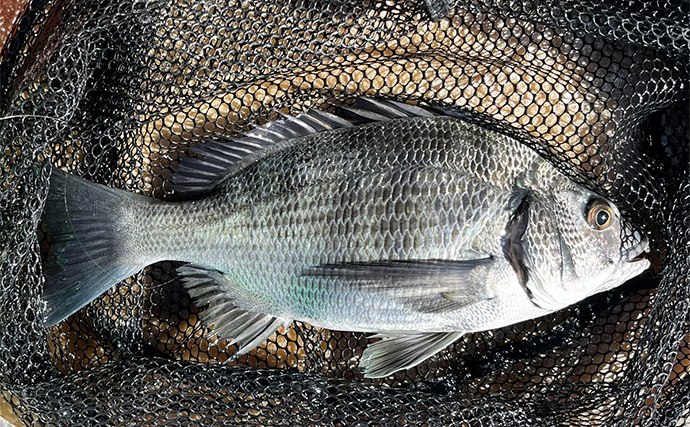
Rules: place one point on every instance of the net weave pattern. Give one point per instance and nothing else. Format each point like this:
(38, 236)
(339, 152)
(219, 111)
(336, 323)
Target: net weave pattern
(117, 91)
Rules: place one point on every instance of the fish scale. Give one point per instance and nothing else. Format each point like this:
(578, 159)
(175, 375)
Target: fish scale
(417, 227)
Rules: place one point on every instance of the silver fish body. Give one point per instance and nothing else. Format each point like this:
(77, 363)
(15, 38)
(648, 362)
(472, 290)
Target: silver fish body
(419, 228)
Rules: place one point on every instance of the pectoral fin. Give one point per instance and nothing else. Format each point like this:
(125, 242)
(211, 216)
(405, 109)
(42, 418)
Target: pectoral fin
(426, 286)
(213, 289)
(398, 352)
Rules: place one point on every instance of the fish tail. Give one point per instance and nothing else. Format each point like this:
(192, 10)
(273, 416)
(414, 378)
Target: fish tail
(88, 254)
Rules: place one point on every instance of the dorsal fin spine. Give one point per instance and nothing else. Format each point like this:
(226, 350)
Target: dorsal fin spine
(198, 176)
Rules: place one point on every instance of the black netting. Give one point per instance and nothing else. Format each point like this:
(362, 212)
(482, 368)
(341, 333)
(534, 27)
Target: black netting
(117, 91)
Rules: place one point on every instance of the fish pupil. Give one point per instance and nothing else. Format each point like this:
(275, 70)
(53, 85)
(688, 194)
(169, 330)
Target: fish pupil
(602, 218)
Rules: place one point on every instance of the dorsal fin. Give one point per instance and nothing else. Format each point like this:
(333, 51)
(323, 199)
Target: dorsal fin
(199, 175)
(381, 110)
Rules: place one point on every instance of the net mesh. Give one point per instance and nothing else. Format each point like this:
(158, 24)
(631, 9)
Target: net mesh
(117, 91)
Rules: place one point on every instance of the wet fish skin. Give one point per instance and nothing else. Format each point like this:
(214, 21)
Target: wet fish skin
(397, 227)
(332, 199)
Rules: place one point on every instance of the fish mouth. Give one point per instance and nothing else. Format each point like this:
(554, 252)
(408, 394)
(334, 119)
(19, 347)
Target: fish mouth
(641, 257)
(635, 246)
(639, 252)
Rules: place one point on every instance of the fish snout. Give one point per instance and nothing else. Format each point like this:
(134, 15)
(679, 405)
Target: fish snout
(634, 244)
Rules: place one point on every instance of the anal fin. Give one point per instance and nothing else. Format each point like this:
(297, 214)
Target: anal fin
(399, 352)
(213, 289)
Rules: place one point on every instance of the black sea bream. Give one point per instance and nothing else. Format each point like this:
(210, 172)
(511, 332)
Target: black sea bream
(415, 226)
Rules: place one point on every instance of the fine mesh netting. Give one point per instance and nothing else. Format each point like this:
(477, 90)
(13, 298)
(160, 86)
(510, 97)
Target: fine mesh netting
(117, 92)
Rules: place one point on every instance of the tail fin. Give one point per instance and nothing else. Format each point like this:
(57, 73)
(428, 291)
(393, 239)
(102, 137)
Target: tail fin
(86, 258)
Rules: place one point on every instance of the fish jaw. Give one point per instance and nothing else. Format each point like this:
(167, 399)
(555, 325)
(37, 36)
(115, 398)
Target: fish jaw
(560, 297)
(634, 242)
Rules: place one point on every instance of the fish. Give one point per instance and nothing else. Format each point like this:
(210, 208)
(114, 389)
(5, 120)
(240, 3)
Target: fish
(409, 223)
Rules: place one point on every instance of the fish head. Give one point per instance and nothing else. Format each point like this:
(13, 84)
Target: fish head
(593, 248)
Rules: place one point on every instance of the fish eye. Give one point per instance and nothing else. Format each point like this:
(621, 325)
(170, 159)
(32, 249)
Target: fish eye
(599, 214)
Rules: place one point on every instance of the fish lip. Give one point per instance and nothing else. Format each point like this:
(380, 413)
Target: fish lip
(642, 256)
(639, 252)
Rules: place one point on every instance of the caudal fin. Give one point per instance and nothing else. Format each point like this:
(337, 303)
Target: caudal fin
(86, 257)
